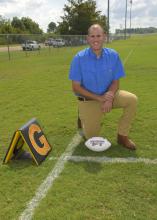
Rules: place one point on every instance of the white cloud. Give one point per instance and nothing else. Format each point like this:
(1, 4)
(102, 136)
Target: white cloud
(143, 13)
(41, 11)
(6, 1)
(45, 11)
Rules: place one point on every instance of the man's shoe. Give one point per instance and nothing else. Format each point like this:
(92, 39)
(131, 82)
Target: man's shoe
(126, 142)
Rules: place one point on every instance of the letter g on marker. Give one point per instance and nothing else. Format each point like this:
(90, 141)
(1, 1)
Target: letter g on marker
(31, 132)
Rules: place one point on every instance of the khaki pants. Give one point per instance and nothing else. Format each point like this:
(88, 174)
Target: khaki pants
(91, 114)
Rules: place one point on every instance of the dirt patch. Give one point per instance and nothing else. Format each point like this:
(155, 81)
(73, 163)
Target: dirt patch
(12, 48)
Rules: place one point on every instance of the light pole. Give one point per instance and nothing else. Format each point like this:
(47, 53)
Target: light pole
(126, 7)
(130, 14)
(108, 21)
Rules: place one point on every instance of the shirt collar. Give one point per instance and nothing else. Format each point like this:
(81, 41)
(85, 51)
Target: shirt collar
(91, 53)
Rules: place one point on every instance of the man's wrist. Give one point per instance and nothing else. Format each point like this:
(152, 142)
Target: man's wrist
(111, 93)
(109, 96)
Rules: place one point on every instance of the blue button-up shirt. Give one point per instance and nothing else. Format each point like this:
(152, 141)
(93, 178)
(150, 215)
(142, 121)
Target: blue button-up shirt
(96, 74)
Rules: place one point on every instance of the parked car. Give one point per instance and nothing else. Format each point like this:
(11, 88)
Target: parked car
(55, 42)
(49, 42)
(59, 43)
(31, 45)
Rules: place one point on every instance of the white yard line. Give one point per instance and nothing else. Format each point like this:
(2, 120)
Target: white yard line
(127, 57)
(48, 182)
(108, 159)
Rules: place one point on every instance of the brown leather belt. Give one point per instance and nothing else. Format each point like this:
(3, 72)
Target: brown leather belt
(83, 99)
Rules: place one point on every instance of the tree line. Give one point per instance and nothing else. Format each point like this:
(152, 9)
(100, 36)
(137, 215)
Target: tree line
(78, 16)
(25, 25)
(137, 30)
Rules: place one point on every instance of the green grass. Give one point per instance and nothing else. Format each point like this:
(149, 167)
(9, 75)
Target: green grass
(37, 85)
(95, 191)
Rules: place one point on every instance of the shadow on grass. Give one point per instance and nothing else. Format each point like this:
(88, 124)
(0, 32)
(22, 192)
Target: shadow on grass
(114, 151)
(20, 164)
(94, 167)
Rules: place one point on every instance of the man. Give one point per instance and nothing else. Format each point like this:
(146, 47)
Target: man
(95, 74)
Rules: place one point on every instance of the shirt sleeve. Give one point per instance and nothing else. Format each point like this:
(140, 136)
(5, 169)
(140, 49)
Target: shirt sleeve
(118, 69)
(75, 69)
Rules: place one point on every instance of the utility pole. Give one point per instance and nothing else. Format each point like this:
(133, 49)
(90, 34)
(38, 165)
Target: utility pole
(130, 14)
(108, 21)
(126, 7)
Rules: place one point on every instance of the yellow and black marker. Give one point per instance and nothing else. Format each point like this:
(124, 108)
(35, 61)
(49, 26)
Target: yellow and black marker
(37, 143)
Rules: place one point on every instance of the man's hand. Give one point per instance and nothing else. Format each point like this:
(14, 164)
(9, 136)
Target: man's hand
(107, 106)
(109, 96)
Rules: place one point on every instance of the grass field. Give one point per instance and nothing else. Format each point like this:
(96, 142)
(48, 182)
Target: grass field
(38, 86)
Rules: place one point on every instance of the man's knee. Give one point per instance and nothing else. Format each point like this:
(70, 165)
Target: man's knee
(132, 99)
(124, 99)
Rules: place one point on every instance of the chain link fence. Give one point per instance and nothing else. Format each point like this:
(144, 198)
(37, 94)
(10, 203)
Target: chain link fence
(11, 44)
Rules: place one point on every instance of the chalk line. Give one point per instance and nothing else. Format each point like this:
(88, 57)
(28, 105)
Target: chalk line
(48, 182)
(108, 159)
(127, 57)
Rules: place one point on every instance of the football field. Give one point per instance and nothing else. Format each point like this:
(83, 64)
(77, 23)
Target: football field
(74, 183)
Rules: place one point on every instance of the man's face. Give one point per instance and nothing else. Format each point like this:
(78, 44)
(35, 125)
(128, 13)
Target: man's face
(96, 38)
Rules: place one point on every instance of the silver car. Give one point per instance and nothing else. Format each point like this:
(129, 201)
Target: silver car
(31, 45)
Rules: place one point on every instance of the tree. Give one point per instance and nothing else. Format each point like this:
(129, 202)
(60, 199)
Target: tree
(78, 16)
(2, 21)
(18, 25)
(51, 27)
(23, 26)
(31, 26)
(5, 26)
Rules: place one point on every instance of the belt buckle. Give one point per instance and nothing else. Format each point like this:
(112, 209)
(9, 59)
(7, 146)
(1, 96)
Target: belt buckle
(81, 98)
(84, 99)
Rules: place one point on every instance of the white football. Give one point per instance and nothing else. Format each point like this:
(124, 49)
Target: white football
(97, 144)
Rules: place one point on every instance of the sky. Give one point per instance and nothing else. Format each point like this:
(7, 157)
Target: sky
(143, 12)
